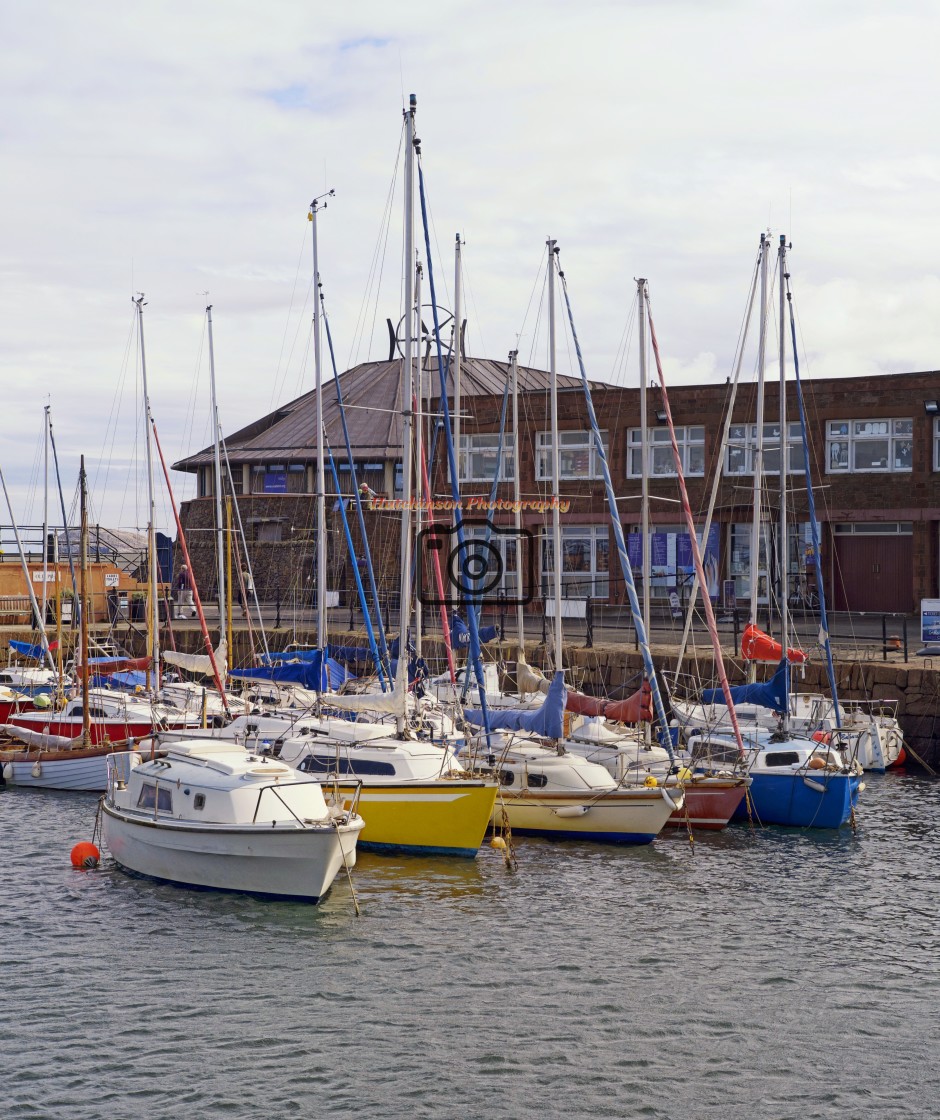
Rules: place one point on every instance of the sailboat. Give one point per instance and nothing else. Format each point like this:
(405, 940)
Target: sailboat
(68, 749)
(415, 795)
(546, 788)
(710, 800)
(796, 780)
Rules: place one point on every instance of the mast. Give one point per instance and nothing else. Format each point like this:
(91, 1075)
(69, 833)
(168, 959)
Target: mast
(407, 388)
(217, 463)
(86, 712)
(517, 500)
(457, 355)
(556, 457)
(321, 580)
(645, 542)
(758, 458)
(420, 496)
(41, 622)
(153, 627)
(783, 544)
(45, 512)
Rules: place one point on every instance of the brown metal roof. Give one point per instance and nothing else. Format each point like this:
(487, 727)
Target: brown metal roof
(372, 396)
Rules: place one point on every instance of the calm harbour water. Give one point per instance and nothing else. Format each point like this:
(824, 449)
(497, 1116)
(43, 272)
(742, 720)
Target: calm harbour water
(770, 974)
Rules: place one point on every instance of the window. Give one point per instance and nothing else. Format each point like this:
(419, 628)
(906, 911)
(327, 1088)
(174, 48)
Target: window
(659, 457)
(506, 544)
(781, 758)
(329, 764)
(536, 781)
(199, 801)
(297, 479)
(742, 440)
(152, 797)
(269, 531)
(936, 444)
(577, 455)
(866, 446)
(585, 562)
(478, 456)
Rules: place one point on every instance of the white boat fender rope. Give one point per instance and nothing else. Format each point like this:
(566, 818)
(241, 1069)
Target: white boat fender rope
(670, 800)
(571, 810)
(818, 786)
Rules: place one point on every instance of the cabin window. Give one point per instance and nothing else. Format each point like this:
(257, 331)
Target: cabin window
(199, 801)
(868, 446)
(536, 781)
(153, 797)
(358, 767)
(781, 758)
(577, 455)
(506, 777)
(659, 458)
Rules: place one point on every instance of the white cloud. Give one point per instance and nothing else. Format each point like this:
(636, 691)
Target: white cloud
(174, 148)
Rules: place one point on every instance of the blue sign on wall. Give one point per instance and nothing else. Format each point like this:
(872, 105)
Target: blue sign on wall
(275, 482)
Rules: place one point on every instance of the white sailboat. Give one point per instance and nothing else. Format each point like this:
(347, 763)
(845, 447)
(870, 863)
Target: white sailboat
(545, 788)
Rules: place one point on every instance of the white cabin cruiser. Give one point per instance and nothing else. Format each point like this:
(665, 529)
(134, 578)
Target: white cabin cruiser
(212, 816)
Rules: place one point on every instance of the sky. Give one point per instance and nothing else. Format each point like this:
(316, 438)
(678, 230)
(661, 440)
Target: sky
(173, 149)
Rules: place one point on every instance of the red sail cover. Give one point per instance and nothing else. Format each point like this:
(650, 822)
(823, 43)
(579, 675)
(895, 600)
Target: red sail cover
(758, 646)
(101, 667)
(634, 709)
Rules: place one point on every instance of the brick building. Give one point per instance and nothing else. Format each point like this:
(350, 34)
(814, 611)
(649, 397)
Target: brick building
(874, 454)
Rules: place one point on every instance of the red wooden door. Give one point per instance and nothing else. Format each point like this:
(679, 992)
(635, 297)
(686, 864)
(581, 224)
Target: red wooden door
(874, 573)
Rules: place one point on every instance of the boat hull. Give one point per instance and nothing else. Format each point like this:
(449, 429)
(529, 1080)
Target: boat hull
(278, 863)
(709, 805)
(78, 769)
(443, 817)
(616, 817)
(102, 731)
(811, 799)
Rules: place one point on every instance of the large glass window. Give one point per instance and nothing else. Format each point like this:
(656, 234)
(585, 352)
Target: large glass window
(506, 546)
(585, 569)
(936, 444)
(269, 478)
(478, 457)
(659, 457)
(868, 446)
(742, 441)
(577, 455)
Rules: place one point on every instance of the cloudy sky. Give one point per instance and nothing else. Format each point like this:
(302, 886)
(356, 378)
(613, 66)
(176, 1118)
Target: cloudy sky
(173, 148)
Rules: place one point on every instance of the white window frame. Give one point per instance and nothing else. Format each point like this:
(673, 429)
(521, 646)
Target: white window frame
(743, 437)
(485, 444)
(570, 442)
(507, 545)
(579, 584)
(659, 459)
(845, 438)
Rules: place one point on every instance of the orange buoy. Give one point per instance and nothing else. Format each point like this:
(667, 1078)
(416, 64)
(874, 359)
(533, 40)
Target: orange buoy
(85, 856)
(821, 736)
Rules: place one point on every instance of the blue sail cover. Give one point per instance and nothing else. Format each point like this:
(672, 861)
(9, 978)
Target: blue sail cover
(318, 673)
(26, 650)
(547, 721)
(460, 632)
(771, 694)
(129, 681)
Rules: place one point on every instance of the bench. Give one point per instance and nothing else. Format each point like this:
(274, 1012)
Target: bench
(17, 608)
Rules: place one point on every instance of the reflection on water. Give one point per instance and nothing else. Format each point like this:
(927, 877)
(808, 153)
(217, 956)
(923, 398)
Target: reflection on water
(766, 973)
